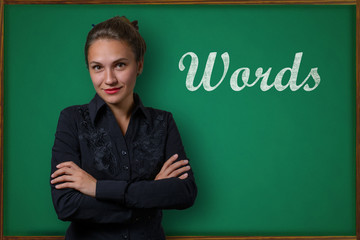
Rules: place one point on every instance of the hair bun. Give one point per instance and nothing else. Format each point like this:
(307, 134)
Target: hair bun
(135, 24)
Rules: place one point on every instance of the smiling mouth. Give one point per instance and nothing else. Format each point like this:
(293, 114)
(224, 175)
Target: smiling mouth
(112, 90)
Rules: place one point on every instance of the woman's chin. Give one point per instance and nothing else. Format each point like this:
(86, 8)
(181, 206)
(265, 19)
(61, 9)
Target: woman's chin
(115, 99)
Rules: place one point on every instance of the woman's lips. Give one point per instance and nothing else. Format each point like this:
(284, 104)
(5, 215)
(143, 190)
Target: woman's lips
(112, 90)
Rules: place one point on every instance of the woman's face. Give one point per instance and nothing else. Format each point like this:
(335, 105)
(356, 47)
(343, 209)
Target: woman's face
(113, 70)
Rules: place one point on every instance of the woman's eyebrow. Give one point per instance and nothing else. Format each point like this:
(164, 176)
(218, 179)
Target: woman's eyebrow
(94, 62)
(121, 59)
(117, 60)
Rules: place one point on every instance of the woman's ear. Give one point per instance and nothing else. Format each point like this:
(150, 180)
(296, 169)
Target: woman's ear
(140, 66)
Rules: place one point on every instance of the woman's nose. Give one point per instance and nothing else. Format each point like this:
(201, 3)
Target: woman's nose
(110, 78)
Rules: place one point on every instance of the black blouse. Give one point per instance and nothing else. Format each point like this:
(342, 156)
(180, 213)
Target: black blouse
(128, 201)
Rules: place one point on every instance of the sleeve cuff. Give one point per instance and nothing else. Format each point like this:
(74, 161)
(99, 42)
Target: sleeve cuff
(111, 190)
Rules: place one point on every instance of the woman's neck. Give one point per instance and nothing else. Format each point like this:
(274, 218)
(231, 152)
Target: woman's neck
(122, 112)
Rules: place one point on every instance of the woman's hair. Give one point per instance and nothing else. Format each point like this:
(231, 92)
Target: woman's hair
(117, 28)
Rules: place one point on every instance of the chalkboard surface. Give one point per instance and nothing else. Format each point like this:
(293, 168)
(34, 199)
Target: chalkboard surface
(271, 157)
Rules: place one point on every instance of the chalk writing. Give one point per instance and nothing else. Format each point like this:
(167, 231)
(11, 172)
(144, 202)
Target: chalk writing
(244, 73)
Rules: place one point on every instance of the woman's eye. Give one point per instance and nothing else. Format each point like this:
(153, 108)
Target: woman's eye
(96, 67)
(120, 65)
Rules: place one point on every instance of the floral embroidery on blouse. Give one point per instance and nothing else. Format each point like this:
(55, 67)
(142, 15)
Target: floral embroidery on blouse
(149, 148)
(99, 142)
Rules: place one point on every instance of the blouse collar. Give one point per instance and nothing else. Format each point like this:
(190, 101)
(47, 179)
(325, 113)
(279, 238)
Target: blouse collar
(97, 103)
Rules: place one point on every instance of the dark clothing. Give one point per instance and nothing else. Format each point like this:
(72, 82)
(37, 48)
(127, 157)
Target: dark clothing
(128, 201)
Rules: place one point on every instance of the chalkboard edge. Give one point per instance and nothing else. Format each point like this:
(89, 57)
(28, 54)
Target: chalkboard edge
(1, 116)
(325, 2)
(167, 2)
(204, 238)
(357, 119)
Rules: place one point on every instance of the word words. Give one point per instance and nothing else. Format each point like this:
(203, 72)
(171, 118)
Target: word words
(244, 72)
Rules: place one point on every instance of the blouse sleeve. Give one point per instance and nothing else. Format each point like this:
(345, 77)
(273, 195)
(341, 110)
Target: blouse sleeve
(171, 193)
(70, 204)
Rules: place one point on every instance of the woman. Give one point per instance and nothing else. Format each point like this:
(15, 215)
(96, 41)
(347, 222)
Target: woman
(116, 163)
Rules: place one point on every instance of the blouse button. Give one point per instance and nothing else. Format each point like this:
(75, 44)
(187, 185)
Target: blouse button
(123, 152)
(125, 167)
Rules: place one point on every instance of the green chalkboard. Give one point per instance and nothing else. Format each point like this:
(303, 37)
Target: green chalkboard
(277, 161)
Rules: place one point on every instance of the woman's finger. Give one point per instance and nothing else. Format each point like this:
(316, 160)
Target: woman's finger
(169, 162)
(170, 166)
(64, 185)
(64, 178)
(68, 164)
(62, 171)
(179, 171)
(175, 166)
(184, 176)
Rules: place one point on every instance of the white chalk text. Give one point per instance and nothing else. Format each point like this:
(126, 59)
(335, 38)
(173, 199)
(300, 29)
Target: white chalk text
(310, 83)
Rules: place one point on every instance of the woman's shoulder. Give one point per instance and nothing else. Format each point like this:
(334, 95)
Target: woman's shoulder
(74, 114)
(158, 114)
(74, 110)
(72, 117)
(161, 118)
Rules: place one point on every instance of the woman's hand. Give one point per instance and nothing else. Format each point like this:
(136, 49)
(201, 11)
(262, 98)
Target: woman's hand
(171, 169)
(70, 175)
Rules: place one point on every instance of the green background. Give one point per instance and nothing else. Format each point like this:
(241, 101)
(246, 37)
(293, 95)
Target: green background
(266, 163)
